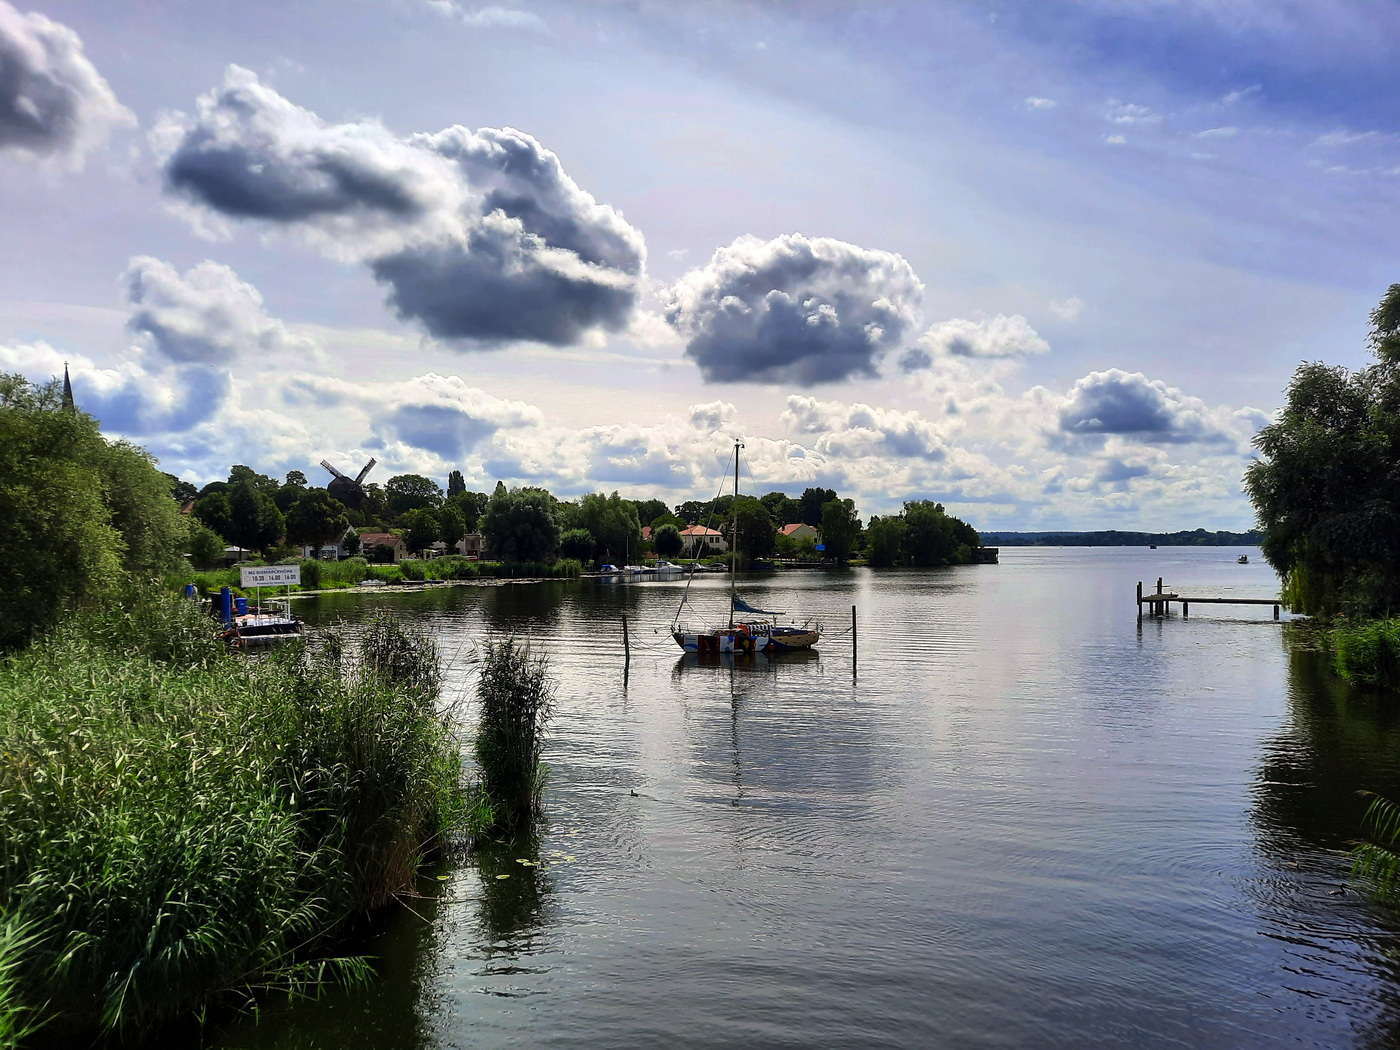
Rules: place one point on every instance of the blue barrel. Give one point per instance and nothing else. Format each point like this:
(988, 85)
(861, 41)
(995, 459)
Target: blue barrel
(189, 590)
(226, 605)
(240, 606)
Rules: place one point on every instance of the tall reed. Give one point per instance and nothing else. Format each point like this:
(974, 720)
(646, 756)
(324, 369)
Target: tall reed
(517, 701)
(180, 822)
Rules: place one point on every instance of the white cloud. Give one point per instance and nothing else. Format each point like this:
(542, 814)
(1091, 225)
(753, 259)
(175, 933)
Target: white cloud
(1035, 102)
(1067, 309)
(1131, 113)
(998, 336)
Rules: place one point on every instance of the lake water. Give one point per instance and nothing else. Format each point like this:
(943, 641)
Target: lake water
(1029, 821)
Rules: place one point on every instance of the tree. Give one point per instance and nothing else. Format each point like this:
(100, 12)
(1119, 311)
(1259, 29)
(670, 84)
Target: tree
(238, 472)
(784, 509)
(1327, 488)
(255, 522)
(316, 519)
(471, 505)
(408, 492)
(613, 523)
(577, 544)
(180, 491)
(423, 529)
(519, 525)
(840, 527)
(649, 510)
(456, 484)
(753, 529)
(668, 541)
(813, 505)
(212, 508)
(885, 537)
(297, 478)
(205, 546)
(933, 537)
(82, 517)
(351, 542)
(452, 524)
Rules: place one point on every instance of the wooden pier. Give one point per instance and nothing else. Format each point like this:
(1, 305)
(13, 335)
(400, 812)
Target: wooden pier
(1159, 602)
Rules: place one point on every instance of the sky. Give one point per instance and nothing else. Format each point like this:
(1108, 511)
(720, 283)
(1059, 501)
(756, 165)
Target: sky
(1051, 265)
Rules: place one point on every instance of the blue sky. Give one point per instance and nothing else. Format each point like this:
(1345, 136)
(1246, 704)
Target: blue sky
(1050, 264)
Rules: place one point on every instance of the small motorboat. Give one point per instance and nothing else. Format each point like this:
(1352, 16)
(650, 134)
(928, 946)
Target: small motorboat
(1243, 559)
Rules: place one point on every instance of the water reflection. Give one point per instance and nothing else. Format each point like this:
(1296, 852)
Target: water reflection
(514, 903)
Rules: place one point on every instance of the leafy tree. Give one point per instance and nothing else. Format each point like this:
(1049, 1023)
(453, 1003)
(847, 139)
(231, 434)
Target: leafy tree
(453, 526)
(255, 522)
(840, 527)
(519, 525)
(885, 539)
(1327, 488)
(180, 491)
(205, 546)
(668, 541)
(316, 519)
(456, 484)
(813, 506)
(649, 510)
(408, 492)
(784, 509)
(212, 508)
(665, 519)
(82, 516)
(297, 478)
(933, 537)
(577, 543)
(423, 529)
(693, 512)
(613, 523)
(351, 542)
(471, 505)
(238, 472)
(753, 530)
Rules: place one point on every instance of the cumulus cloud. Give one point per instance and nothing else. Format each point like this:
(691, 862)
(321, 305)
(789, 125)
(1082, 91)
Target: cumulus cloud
(1130, 113)
(53, 102)
(998, 336)
(493, 16)
(480, 236)
(138, 398)
(207, 315)
(859, 430)
(794, 309)
(712, 416)
(1036, 102)
(1128, 404)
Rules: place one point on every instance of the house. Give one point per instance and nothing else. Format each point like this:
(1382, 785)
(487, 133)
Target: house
(646, 533)
(473, 544)
(799, 531)
(701, 541)
(370, 540)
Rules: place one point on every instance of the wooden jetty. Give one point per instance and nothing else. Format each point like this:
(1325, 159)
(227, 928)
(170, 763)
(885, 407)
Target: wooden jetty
(1159, 602)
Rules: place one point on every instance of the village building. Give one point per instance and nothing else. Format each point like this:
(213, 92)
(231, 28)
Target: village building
(700, 541)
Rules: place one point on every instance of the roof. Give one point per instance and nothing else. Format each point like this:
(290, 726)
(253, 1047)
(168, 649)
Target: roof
(373, 539)
(700, 530)
(788, 530)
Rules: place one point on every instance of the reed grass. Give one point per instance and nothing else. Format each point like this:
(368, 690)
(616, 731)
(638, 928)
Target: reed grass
(181, 823)
(1367, 651)
(334, 575)
(516, 695)
(1376, 861)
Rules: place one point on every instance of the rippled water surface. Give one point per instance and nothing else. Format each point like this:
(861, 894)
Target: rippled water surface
(1028, 821)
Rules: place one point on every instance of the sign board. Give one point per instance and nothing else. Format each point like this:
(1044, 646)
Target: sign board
(269, 575)
(821, 546)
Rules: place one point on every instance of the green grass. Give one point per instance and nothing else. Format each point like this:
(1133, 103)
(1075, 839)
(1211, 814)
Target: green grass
(335, 575)
(517, 700)
(181, 823)
(1367, 651)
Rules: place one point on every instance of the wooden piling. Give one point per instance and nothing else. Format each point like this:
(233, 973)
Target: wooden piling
(626, 644)
(855, 644)
(1139, 601)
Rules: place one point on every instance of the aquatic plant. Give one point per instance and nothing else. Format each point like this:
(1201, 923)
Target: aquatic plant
(517, 701)
(1376, 861)
(182, 823)
(1367, 651)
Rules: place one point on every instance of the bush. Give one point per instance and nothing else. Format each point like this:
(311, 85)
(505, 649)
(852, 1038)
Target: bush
(180, 821)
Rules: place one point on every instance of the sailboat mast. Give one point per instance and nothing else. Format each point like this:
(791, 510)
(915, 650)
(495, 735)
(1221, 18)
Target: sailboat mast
(734, 524)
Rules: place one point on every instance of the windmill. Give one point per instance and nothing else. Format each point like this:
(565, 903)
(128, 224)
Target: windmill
(347, 489)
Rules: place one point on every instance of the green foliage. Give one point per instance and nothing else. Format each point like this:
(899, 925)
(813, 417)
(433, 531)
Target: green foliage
(213, 511)
(456, 484)
(934, 537)
(753, 528)
(517, 699)
(406, 492)
(421, 529)
(316, 519)
(519, 524)
(813, 505)
(667, 540)
(1367, 651)
(82, 517)
(452, 526)
(840, 527)
(1377, 860)
(254, 520)
(577, 543)
(180, 821)
(1327, 488)
(205, 546)
(885, 541)
(612, 522)
(782, 508)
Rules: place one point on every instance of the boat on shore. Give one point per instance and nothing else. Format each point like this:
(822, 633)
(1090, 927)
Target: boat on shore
(263, 626)
(749, 630)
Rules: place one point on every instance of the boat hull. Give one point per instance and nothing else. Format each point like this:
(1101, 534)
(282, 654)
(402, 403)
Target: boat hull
(744, 639)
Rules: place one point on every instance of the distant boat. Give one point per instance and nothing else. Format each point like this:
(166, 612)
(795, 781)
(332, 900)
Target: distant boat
(1152, 546)
(1243, 559)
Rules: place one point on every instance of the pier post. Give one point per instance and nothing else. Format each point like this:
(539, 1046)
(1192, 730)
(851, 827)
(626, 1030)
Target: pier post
(1139, 601)
(1275, 612)
(855, 642)
(1185, 609)
(626, 644)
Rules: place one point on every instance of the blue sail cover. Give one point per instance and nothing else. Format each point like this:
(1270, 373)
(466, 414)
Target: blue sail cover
(742, 606)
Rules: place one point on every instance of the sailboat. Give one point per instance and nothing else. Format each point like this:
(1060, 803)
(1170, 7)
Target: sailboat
(754, 630)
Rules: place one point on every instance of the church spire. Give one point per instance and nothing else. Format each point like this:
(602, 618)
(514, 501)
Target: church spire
(67, 390)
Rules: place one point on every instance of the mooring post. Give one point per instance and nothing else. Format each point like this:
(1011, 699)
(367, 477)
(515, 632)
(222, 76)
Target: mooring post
(626, 644)
(1275, 612)
(1185, 609)
(855, 642)
(1139, 601)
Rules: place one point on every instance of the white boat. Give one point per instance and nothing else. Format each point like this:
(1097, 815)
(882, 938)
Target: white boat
(749, 630)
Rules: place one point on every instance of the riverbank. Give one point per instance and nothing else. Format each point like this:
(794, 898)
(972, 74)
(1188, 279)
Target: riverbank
(184, 825)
